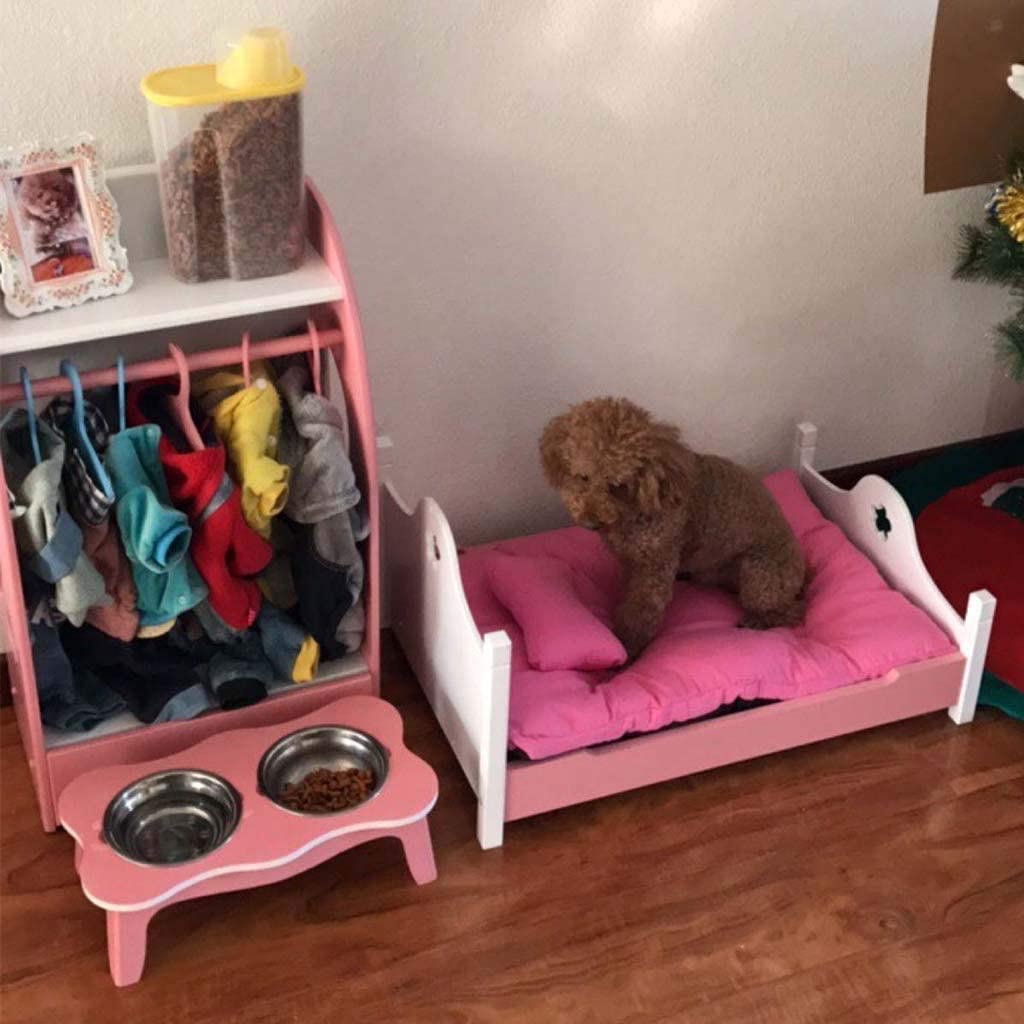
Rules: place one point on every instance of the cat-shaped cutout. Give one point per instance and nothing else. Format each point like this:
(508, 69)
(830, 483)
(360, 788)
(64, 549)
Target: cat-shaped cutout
(882, 523)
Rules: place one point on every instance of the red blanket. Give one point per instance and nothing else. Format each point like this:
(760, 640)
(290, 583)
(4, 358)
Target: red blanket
(968, 545)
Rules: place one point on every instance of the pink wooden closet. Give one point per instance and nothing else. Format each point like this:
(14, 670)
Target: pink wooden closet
(54, 767)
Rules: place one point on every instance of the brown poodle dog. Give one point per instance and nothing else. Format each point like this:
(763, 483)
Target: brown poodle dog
(666, 511)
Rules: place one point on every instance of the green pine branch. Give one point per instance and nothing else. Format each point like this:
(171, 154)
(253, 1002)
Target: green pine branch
(989, 253)
(1010, 344)
(969, 264)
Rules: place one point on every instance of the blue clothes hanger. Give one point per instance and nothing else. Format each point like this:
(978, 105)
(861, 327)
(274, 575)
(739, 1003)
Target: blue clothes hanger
(30, 408)
(120, 394)
(81, 434)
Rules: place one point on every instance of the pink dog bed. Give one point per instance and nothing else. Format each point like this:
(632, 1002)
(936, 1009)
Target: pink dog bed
(553, 593)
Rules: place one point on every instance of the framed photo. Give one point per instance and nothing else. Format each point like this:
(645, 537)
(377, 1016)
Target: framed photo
(59, 228)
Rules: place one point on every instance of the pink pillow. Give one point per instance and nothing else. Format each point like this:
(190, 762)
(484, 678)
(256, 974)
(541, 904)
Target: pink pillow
(559, 631)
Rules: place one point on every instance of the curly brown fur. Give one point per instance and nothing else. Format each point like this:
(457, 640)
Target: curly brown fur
(665, 511)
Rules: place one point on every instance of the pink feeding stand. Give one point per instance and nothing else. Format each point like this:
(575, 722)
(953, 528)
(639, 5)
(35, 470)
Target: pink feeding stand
(269, 842)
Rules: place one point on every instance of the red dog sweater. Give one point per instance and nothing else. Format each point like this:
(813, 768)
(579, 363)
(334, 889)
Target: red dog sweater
(227, 553)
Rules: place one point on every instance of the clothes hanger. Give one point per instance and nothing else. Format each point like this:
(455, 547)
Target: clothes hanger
(178, 403)
(246, 372)
(80, 435)
(314, 356)
(30, 408)
(120, 393)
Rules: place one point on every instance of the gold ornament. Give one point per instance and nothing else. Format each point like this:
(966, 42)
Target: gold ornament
(1010, 210)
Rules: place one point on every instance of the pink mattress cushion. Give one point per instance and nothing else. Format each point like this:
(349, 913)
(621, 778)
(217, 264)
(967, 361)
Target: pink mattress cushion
(856, 628)
(559, 628)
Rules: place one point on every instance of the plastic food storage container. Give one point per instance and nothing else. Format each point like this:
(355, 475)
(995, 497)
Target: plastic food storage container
(228, 143)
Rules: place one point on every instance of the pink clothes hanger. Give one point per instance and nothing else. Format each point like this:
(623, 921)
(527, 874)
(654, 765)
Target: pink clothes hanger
(178, 403)
(246, 373)
(314, 356)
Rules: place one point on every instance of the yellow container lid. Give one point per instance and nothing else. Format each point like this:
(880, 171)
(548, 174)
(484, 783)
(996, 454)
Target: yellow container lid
(256, 67)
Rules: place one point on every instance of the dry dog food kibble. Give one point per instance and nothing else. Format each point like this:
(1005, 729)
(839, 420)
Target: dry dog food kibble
(232, 192)
(323, 791)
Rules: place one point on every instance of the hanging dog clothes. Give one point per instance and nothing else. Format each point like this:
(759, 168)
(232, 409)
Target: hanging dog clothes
(156, 535)
(88, 502)
(160, 679)
(275, 648)
(70, 698)
(225, 551)
(91, 508)
(324, 498)
(248, 421)
(48, 538)
(254, 645)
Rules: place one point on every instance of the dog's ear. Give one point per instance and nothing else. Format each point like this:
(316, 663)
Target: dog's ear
(648, 490)
(667, 473)
(553, 441)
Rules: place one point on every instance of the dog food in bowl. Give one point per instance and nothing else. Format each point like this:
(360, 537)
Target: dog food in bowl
(325, 769)
(324, 791)
(172, 817)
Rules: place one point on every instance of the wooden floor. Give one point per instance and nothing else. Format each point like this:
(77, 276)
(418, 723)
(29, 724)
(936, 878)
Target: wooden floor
(878, 877)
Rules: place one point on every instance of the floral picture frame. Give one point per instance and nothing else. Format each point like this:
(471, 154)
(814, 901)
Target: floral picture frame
(59, 227)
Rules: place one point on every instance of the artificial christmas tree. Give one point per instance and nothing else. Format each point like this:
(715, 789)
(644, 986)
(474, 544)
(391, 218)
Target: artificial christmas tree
(995, 252)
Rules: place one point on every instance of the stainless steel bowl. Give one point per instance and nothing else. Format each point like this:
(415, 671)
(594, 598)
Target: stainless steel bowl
(172, 817)
(336, 747)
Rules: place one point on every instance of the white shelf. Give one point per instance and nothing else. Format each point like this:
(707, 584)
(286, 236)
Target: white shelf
(329, 672)
(158, 300)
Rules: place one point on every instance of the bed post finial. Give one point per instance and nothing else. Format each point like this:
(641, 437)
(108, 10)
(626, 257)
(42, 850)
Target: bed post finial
(804, 445)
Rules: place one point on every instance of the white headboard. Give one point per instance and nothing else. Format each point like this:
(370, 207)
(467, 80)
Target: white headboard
(875, 517)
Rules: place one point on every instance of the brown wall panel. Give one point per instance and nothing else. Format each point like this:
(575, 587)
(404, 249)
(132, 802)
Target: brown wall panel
(974, 120)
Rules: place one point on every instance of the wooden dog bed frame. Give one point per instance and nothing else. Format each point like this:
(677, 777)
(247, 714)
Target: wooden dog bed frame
(465, 676)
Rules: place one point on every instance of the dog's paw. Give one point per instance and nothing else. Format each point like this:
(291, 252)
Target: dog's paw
(774, 618)
(633, 640)
(750, 621)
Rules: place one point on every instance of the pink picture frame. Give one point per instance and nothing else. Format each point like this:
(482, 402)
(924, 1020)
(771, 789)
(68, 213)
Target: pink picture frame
(59, 227)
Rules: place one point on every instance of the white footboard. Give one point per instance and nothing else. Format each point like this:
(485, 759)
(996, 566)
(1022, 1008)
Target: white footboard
(876, 518)
(465, 676)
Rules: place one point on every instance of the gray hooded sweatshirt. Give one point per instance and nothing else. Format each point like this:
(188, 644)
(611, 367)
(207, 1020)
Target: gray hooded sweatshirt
(323, 492)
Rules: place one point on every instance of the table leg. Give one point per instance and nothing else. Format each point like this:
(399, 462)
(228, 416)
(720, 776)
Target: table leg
(419, 851)
(126, 944)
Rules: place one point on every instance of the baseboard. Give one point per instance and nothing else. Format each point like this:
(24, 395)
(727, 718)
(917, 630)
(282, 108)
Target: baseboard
(847, 476)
